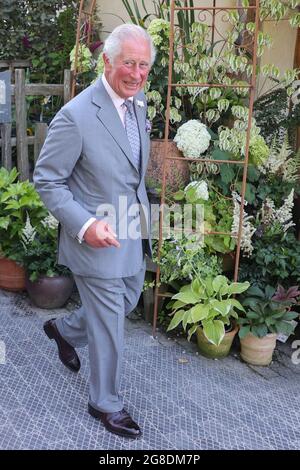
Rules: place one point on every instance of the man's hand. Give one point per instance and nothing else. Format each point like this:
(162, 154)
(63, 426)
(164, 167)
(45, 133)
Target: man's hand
(101, 235)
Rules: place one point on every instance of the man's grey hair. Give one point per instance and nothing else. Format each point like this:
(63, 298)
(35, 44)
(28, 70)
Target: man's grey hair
(113, 44)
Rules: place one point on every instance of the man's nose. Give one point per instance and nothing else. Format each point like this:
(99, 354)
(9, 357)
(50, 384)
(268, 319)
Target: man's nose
(136, 72)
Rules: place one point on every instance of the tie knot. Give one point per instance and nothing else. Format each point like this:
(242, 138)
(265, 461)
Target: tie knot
(129, 105)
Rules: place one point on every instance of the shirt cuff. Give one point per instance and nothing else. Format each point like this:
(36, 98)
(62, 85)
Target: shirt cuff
(84, 229)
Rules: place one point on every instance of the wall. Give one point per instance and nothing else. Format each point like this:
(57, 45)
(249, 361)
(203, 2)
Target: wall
(282, 52)
(113, 12)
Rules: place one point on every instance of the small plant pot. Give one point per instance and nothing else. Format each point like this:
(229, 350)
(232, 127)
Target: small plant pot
(177, 171)
(258, 351)
(50, 292)
(12, 276)
(212, 351)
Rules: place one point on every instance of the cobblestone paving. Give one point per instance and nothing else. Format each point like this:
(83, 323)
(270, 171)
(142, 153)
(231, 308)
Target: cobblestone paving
(180, 399)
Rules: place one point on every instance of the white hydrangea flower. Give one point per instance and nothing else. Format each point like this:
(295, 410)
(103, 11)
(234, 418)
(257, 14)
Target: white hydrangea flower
(201, 189)
(192, 138)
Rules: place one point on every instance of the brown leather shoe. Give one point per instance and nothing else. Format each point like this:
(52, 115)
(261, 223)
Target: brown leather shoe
(119, 423)
(66, 352)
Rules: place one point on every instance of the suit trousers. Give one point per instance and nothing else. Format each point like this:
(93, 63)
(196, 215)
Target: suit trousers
(99, 323)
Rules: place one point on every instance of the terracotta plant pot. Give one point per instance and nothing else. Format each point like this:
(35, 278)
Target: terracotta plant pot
(210, 350)
(50, 292)
(258, 351)
(12, 276)
(177, 171)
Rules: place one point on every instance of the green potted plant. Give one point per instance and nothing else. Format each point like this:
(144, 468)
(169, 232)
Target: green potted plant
(275, 250)
(266, 314)
(16, 199)
(206, 307)
(49, 285)
(218, 212)
(182, 259)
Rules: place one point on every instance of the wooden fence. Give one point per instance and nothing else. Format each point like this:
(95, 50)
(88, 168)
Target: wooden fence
(20, 90)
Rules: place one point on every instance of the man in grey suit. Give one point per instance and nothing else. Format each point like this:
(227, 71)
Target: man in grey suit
(90, 175)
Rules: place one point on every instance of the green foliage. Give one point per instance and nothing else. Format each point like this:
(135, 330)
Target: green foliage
(218, 217)
(233, 141)
(218, 213)
(275, 118)
(275, 179)
(44, 33)
(41, 32)
(275, 259)
(207, 303)
(278, 9)
(181, 260)
(16, 200)
(263, 314)
(40, 252)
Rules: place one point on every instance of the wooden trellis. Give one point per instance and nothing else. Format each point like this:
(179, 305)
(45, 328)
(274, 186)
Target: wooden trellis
(249, 43)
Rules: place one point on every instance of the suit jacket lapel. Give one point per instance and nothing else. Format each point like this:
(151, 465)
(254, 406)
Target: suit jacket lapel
(110, 118)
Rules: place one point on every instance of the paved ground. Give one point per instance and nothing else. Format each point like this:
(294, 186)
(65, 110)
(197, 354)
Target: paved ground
(180, 399)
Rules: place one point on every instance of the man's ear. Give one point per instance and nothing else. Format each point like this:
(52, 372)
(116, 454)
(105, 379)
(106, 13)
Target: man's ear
(106, 59)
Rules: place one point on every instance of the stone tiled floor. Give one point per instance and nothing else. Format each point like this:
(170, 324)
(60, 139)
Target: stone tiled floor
(180, 399)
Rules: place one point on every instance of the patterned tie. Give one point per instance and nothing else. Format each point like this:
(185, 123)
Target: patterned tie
(132, 131)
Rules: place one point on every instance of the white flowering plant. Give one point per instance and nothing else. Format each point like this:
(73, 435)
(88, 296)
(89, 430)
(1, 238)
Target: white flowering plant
(248, 228)
(17, 198)
(40, 248)
(282, 162)
(270, 249)
(269, 220)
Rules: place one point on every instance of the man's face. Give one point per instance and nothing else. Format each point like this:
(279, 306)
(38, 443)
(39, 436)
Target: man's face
(129, 72)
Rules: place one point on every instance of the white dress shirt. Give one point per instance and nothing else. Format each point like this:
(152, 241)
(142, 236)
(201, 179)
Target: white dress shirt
(121, 108)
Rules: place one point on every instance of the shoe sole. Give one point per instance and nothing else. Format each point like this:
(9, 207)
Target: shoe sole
(50, 336)
(95, 415)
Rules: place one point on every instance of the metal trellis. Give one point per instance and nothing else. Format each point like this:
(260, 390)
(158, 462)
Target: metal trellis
(251, 47)
(83, 33)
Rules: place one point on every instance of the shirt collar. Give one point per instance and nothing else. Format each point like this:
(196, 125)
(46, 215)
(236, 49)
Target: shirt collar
(116, 99)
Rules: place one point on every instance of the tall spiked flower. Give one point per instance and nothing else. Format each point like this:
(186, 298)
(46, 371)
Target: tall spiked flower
(28, 233)
(50, 222)
(247, 228)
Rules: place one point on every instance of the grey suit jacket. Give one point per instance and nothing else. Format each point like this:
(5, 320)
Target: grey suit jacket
(87, 162)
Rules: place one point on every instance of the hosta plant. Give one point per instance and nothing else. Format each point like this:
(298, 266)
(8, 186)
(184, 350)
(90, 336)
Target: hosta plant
(267, 312)
(208, 303)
